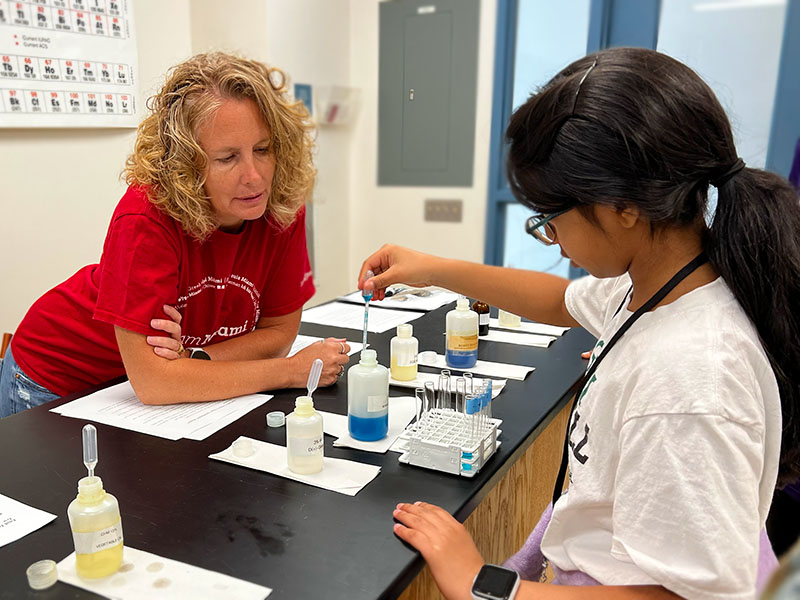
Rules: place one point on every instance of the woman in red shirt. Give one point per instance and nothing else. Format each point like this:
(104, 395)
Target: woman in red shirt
(207, 245)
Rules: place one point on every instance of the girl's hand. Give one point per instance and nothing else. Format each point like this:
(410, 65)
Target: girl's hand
(332, 351)
(168, 347)
(395, 264)
(444, 543)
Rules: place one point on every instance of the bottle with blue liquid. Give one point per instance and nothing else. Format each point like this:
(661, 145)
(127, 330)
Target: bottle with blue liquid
(368, 398)
(461, 350)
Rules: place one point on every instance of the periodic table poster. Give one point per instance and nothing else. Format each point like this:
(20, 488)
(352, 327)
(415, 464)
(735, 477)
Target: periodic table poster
(68, 63)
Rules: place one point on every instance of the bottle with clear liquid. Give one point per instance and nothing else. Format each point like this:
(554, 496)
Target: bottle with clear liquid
(96, 530)
(461, 336)
(404, 348)
(368, 398)
(304, 438)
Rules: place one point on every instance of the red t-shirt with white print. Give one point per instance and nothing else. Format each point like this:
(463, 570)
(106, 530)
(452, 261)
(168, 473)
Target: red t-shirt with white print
(222, 287)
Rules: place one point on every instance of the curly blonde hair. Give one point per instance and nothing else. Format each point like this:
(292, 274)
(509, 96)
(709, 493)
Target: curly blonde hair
(169, 160)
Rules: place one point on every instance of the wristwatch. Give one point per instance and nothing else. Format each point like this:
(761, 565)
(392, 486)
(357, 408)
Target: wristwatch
(198, 353)
(495, 583)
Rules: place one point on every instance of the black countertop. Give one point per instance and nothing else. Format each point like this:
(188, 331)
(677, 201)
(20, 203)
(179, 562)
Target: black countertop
(299, 540)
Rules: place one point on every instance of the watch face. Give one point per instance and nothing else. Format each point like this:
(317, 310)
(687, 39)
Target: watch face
(494, 582)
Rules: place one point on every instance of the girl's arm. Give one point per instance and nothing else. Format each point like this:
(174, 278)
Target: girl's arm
(450, 552)
(537, 296)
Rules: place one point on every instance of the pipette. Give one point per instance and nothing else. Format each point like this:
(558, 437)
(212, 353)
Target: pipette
(313, 376)
(367, 295)
(90, 448)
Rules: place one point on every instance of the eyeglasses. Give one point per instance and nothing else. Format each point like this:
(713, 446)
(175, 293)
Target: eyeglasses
(540, 228)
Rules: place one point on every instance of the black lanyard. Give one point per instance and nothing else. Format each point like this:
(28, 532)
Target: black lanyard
(655, 299)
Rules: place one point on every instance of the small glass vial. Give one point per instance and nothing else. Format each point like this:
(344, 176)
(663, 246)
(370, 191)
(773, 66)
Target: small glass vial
(461, 346)
(304, 438)
(96, 530)
(482, 309)
(368, 398)
(404, 352)
(507, 319)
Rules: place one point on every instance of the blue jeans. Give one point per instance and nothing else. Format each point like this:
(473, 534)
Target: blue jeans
(19, 392)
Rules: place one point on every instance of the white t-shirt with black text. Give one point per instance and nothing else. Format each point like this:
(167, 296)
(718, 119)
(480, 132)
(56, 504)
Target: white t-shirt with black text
(674, 446)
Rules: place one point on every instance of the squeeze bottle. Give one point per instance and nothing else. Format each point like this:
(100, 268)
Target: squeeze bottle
(96, 529)
(304, 438)
(461, 336)
(405, 348)
(368, 398)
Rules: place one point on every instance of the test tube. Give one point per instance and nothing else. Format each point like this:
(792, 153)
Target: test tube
(430, 398)
(468, 379)
(419, 394)
(471, 404)
(443, 400)
(461, 390)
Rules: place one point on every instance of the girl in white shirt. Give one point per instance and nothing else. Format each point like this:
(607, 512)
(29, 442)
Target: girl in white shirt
(676, 440)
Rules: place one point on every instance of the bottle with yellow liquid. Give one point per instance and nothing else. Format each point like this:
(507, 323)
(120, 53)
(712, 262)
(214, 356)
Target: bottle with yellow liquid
(94, 519)
(404, 350)
(96, 530)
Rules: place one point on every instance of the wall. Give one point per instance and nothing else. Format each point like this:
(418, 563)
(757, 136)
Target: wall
(60, 217)
(395, 214)
(60, 186)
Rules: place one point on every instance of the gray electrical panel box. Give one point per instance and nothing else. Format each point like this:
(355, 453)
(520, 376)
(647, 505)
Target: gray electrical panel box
(428, 86)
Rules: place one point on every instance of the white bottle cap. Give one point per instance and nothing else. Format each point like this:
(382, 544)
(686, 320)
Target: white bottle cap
(42, 574)
(276, 418)
(243, 448)
(462, 303)
(405, 330)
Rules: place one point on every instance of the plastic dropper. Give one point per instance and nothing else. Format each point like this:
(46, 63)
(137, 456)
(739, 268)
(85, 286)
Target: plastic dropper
(90, 448)
(313, 376)
(367, 295)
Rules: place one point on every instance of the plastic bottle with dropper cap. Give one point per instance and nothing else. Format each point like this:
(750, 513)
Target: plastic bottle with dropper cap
(368, 398)
(404, 350)
(304, 438)
(94, 519)
(461, 346)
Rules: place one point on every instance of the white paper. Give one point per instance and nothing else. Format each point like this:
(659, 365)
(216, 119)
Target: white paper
(18, 520)
(430, 358)
(522, 339)
(437, 297)
(401, 411)
(351, 316)
(419, 382)
(118, 406)
(304, 341)
(146, 575)
(338, 475)
(529, 327)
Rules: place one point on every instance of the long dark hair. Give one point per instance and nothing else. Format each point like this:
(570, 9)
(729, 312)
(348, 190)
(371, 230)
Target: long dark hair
(630, 126)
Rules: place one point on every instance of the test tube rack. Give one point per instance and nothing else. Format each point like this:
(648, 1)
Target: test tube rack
(443, 440)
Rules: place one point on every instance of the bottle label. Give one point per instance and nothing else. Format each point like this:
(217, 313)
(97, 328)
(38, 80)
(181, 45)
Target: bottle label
(377, 403)
(406, 359)
(97, 541)
(462, 343)
(306, 446)
(483, 319)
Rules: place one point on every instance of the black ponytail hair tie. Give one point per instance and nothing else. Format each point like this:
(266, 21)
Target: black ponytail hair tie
(719, 180)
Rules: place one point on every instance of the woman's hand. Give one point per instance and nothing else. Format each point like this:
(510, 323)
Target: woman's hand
(395, 264)
(444, 543)
(168, 347)
(332, 351)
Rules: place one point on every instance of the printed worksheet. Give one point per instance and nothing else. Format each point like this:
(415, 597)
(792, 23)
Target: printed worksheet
(18, 520)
